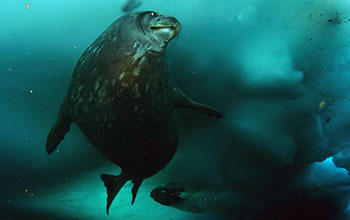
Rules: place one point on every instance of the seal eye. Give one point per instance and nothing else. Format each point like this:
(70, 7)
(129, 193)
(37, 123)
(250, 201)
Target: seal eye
(154, 14)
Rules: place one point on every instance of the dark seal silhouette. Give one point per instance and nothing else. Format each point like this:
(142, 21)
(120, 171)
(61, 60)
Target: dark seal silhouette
(122, 97)
(178, 195)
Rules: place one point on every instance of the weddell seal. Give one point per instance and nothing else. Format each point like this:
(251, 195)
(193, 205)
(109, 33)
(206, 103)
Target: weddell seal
(179, 195)
(122, 97)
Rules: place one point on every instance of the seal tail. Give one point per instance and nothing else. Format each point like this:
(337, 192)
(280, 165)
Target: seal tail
(113, 185)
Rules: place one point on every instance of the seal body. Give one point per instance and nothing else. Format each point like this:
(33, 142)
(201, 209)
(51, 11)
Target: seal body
(123, 102)
(122, 97)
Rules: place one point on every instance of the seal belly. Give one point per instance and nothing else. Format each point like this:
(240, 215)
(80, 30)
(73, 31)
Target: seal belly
(128, 124)
(140, 146)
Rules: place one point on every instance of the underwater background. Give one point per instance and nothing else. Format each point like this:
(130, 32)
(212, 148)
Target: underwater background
(279, 70)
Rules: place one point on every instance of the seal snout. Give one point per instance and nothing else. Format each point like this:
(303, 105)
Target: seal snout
(166, 22)
(165, 27)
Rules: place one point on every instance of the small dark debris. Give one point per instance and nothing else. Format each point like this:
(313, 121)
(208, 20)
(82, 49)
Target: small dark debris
(131, 5)
(328, 119)
(310, 39)
(330, 20)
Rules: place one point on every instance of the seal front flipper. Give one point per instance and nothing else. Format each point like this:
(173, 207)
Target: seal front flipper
(113, 185)
(58, 131)
(183, 101)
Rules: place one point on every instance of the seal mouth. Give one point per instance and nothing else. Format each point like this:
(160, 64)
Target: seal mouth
(165, 27)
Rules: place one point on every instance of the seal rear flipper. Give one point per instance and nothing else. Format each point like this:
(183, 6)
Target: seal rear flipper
(183, 101)
(57, 132)
(113, 185)
(135, 189)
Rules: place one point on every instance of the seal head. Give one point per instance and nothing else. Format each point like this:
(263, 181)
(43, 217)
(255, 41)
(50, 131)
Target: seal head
(149, 28)
(163, 29)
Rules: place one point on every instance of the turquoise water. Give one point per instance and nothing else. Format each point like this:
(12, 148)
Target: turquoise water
(279, 70)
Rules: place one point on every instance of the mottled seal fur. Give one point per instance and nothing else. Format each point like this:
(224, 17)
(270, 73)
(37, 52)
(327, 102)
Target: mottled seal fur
(122, 97)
